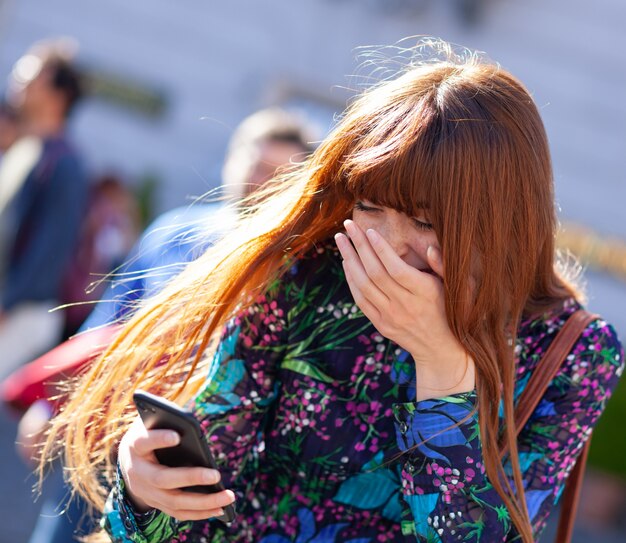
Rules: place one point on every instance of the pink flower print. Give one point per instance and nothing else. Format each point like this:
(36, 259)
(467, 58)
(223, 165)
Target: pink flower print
(374, 446)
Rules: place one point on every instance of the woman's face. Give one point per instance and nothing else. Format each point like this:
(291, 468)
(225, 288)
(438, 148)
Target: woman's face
(410, 237)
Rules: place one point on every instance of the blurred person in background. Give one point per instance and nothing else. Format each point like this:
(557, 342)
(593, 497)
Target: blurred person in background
(9, 127)
(109, 230)
(9, 134)
(265, 143)
(46, 206)
(18, 155)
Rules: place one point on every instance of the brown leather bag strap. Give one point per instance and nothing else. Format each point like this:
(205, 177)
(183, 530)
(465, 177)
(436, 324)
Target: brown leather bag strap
(541, 378)
(571, 496)
(550, 364)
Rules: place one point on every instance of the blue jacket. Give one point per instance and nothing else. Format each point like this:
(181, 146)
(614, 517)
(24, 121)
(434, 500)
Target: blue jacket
(48, 211)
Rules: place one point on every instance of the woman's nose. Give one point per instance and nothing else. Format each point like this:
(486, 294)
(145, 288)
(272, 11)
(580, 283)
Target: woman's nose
(396, 235)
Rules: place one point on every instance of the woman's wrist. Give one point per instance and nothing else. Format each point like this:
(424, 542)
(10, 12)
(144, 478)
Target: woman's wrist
(444, 378)
(138, 506)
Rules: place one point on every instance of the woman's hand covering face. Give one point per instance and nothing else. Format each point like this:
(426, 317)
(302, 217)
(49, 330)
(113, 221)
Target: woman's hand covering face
(406, 305)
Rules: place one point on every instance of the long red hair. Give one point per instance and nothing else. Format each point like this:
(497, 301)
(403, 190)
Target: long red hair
(463, 137)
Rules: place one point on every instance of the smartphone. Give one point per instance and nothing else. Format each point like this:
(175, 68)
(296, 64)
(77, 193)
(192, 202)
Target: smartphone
(160, 414)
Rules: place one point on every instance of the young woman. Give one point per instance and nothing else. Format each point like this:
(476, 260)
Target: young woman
(362, 385)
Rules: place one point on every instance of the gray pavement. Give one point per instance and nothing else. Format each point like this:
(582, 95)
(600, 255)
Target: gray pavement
(18, 511)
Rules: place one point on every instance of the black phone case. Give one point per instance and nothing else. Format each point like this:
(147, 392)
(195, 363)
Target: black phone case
(160, 414)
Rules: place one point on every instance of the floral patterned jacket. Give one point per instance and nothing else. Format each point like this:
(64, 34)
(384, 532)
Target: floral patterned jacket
(311, 416)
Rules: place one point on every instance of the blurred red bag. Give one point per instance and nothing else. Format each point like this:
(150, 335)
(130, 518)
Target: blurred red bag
(37, 379)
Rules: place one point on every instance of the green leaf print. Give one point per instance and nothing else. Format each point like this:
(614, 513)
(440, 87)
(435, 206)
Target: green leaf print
(304, 368)
(503, 516)
(294, 444)
(477, 529)
(475, 432)
(325, 460)
(454, 399)
(164, 528)
(285, 506)
(323, 329)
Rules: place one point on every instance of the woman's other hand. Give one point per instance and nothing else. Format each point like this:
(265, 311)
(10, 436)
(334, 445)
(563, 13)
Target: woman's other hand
(407, 306)
(150, 485)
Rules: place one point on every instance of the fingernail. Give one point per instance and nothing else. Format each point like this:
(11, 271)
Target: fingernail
(172, 438)
(339, 240)
(349, 225)
(430, 251)
(220, 512)
(231, 495)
